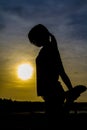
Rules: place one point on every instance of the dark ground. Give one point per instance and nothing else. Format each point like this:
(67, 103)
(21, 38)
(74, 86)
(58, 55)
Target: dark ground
(31, 116)
(32, 121)
(27, 121)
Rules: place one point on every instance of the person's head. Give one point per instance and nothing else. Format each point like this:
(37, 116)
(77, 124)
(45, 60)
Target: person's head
(39, 35)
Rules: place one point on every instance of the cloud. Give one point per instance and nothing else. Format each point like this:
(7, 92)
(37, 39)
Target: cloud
(2, 26)
(67, 18)
(2, 21)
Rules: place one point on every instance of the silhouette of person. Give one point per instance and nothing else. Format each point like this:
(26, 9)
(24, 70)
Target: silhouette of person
(48, 69)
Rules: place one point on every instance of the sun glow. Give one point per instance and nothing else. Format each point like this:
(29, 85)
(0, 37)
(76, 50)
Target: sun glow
(25, 71)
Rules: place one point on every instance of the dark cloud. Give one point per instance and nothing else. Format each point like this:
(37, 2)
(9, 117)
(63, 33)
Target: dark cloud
(2, 22)
(20, 7)
(77, 19)
(68, 16)
(2, 26)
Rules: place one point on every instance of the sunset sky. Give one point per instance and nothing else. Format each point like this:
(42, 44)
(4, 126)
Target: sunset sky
(66, 19)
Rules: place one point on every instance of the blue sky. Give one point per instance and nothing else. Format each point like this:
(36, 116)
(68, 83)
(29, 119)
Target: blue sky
(66, 19)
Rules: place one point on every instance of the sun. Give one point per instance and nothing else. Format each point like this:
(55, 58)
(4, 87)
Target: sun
(25, 71)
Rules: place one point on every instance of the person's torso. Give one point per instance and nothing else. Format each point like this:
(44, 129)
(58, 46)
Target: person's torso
(47, 70)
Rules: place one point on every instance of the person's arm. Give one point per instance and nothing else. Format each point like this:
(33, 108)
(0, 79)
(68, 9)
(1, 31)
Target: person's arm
(66, 79)
(63, 74)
